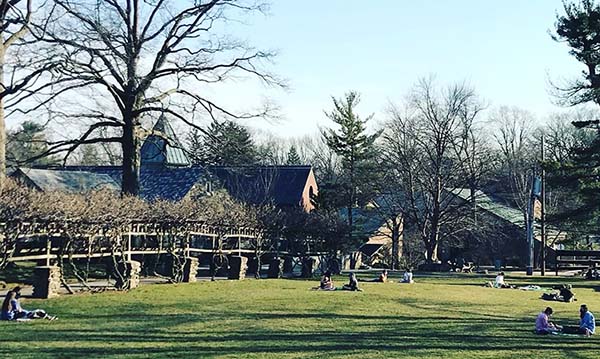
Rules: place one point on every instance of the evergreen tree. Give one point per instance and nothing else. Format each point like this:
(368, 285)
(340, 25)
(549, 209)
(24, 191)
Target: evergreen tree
(579, 27)
(26, 145)
(224, 143)
(357, 152)
(292, 157)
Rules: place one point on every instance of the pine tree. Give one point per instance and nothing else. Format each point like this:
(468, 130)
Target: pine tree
(224, 143)
(292, 157)
(356, 150)
(579, 27)
(25, 145)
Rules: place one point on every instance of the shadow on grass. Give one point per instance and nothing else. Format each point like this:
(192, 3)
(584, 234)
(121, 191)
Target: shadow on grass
(140, 333)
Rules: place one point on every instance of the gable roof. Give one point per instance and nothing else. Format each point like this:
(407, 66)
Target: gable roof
(283, 185)
(162, 147)
(65, 181)
(367, 221)
(494, 206)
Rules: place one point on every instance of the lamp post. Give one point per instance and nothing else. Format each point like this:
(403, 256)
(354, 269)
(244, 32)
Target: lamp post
(543, 212)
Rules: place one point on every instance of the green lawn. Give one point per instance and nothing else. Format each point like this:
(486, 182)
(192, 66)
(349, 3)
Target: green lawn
(436, 317)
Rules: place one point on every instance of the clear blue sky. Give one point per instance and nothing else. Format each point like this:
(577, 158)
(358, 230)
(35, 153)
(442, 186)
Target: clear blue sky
(382, 47)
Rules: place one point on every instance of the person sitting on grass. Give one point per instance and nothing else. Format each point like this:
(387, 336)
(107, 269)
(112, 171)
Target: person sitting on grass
(566, 294)
(408, 277)
(543, 325)
(500, 283)
(11, 308)
(352, 284)
(326, 282)
(587, 323)
(382, 278)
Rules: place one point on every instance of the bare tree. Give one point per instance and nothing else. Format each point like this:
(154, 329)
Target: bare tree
(13, 26)
(21, 65)
(426, 147)
(146, 58)
(517, 153)
(562, 137)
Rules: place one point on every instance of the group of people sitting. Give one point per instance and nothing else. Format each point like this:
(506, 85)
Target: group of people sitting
(327, 282)
(12, 310)
(587, 323)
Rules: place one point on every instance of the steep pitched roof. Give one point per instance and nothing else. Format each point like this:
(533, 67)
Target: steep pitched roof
(162, 147)
(66, 181)
(283, 185)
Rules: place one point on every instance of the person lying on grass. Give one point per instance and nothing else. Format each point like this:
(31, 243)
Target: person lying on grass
(382, 278)
(326, 283)
(352, 284)
(12, 310)
(543, 325)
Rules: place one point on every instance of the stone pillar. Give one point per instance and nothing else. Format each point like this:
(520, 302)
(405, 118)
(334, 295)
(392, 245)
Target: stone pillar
(130, 270)
(275, 268)
(46, 281)
(309, 266)
(237, 267)
(288, 264)
(252, 266)
(190, 269)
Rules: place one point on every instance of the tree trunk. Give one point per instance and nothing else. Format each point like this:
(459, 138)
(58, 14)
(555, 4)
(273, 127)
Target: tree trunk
(2, 123)
(431, 249)
(131, 160)
(397, 228)
(350, 224)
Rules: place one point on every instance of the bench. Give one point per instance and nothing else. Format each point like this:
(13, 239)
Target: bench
(576, 259)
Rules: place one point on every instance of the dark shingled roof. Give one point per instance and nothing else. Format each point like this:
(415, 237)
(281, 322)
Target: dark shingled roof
(255, 185)
(156, 182)
(65, 181)
(260, 184)
(166, 173)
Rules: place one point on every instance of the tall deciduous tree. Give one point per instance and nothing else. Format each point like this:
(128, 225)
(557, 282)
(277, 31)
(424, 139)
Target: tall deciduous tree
(426, 151)
(517, 155)
(13, 26)
(147, 58)
(356, 149)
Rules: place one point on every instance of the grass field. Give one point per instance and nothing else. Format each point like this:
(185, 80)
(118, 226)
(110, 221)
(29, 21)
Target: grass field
(451, 317)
